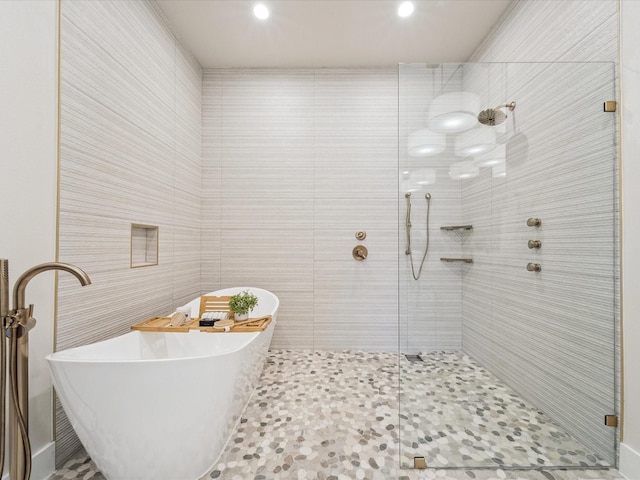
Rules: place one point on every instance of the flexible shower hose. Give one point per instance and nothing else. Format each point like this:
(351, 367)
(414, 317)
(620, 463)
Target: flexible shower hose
(13, 380)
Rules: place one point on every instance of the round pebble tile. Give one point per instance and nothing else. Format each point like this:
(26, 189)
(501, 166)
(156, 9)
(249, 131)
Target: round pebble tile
(335, 416)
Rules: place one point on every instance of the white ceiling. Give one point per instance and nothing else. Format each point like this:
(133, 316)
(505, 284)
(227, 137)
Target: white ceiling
(330, 33)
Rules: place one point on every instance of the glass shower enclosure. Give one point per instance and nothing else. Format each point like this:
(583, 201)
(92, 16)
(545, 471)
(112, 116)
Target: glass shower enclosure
(508, 194)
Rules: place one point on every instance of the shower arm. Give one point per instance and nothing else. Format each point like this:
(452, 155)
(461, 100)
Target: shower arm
(511, 106)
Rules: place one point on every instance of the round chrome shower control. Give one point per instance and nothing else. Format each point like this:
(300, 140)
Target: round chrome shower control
(534, 222)
(361, 235)
(360, 252)
(534, 243)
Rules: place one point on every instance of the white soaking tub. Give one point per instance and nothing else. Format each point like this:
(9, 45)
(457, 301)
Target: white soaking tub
(161, 406)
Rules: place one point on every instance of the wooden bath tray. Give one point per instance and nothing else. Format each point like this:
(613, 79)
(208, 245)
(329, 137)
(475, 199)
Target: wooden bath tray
(207, 304)
(251, 325)
(161, 324)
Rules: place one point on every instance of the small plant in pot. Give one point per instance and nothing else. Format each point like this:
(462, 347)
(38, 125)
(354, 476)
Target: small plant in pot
(241, 304)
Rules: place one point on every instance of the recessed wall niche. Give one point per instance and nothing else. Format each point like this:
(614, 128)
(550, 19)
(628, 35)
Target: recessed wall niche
(144, 245)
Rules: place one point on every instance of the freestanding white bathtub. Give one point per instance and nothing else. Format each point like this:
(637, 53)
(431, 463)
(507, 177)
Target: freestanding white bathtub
(162, 406)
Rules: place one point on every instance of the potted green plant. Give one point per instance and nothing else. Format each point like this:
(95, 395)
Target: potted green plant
(241, 304)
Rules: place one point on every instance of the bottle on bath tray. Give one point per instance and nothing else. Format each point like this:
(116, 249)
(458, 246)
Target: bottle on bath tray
(177, 319)
(187, 313)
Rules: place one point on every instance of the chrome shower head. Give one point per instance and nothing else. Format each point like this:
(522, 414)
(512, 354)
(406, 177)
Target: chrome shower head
(495, 116)
(427, 196)
(491, 117)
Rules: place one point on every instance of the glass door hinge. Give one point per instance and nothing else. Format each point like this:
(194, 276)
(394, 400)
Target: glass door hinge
(611, 420)
(610, 106)
(419, 463)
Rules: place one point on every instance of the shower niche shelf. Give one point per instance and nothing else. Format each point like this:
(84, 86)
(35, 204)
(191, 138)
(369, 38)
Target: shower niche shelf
(144, 245)
(451, 260)
(457, 227)
(452, 228)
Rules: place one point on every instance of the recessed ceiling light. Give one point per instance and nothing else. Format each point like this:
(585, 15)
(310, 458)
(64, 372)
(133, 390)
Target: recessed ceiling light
(405, 9)
(261, 11)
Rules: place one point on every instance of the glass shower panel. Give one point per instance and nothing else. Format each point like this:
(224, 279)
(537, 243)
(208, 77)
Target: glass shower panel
(507, 350)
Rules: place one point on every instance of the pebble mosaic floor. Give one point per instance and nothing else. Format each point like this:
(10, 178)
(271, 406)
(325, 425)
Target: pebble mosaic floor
(334, 416)
(456, 413)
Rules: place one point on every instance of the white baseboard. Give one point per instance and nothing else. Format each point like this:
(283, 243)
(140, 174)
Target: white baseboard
(629, 463)
(43, 463)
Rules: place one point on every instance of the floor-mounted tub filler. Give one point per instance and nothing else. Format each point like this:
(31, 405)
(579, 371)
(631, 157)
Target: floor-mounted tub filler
(156, 405)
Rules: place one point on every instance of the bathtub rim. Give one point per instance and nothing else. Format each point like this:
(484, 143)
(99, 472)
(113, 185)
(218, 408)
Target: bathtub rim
(59, 356)
(62, 355)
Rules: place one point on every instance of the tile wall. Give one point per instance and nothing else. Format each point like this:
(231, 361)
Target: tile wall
(551, 335)
(553, 330)
(430, 308)
(129, 153)
(294, 163)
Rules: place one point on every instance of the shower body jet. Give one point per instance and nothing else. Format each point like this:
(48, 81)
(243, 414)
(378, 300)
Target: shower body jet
(495, 116)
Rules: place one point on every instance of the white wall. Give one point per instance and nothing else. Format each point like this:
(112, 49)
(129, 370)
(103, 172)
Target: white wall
(630, 98)
(28, 119)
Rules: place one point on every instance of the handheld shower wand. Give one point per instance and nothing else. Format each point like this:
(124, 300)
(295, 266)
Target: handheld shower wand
(427, 196)
(4, 312)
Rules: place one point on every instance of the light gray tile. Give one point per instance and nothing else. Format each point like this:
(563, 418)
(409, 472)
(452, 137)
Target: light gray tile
(130, 153)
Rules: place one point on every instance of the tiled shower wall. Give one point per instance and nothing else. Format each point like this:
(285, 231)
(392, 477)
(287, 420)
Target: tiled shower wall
(294, 163)
(430, 308)
(551, 335)
(130, 153)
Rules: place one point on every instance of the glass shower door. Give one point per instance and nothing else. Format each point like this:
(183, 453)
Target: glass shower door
(507, 336)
